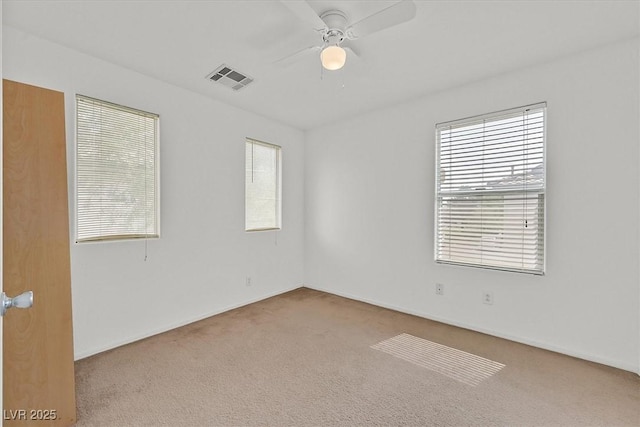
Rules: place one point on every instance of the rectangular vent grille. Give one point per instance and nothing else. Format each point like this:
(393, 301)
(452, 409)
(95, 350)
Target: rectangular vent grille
(229, 77)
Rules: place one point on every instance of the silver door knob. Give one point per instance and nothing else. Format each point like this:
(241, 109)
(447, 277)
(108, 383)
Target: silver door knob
(24, 300)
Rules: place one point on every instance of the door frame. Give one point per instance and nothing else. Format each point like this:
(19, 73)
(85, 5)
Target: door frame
(1, 218)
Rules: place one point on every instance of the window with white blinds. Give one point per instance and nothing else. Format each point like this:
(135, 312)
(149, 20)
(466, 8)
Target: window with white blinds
(490, 190)
(116, 171)
(262, 186)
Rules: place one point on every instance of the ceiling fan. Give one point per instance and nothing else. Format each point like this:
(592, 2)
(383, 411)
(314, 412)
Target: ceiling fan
(337, 31)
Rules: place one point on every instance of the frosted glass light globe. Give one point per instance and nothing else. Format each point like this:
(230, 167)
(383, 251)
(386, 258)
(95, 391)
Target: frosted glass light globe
(333, 57)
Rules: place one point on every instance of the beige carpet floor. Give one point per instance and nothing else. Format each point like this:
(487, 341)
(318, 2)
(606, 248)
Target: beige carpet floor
(307, 358)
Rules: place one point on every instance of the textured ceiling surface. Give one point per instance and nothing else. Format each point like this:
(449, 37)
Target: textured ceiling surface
(447, 44)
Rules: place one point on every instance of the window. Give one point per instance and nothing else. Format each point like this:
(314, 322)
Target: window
(490, 190)
(116, 171)
(262, 186)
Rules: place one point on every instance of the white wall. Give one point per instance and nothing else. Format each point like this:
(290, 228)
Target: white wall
(370, 208)
(199, 265)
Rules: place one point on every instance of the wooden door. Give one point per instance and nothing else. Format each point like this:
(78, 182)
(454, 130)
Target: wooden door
(38, 373)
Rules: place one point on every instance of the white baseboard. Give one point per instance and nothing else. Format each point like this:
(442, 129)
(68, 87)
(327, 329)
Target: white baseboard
(133, 338)
(535, 343)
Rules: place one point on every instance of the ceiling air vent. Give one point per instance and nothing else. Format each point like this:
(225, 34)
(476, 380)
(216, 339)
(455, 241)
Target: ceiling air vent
(229, 77)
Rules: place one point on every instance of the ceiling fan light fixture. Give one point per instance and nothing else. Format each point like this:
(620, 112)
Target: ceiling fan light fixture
(333, 57)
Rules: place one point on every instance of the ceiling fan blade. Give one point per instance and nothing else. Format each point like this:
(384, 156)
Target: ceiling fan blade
(353, 58)
(348, 45)
(296, 56)
(303, 10)
(351, 53)
(403, 11)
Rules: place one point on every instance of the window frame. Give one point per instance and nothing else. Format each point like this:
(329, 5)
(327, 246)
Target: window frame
(496, 115)
(278, 213)
(156, 175)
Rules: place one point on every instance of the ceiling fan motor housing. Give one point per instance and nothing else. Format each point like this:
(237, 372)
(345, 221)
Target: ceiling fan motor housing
(336, 22)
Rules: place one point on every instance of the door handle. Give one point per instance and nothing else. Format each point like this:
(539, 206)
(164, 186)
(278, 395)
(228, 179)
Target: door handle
(24, 300)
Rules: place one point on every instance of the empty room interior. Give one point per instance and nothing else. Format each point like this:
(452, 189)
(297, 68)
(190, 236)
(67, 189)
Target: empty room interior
(321, 213)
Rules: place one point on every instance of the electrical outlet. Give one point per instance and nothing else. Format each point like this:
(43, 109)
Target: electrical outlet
(487, 298)
(248, 282)
(439, 289)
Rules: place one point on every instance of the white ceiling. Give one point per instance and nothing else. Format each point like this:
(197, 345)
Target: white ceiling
(449, 43)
